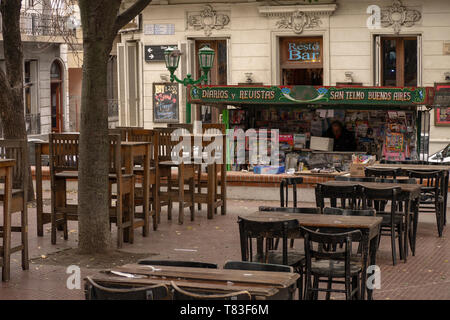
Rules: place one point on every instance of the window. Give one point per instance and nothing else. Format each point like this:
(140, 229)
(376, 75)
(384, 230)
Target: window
(398, 61)
(30, 87)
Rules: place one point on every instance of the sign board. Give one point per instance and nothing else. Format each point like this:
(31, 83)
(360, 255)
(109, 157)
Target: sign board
(165, 102)
(159, 29)
(155, 53)
(442, 105)
(301, 52)
(310, 95)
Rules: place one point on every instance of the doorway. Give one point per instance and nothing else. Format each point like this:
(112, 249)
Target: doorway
(56, 96)
(217, 76)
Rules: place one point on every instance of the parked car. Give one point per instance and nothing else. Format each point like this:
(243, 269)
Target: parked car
(442, 156)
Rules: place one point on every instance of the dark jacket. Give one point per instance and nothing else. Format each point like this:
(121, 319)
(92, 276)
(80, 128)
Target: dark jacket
(345, 142)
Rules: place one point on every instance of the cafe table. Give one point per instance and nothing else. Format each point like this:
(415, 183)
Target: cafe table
(409, 194)
(130, 151)
(422, 167)
(369, 227)
(6, 172)
(260, 284)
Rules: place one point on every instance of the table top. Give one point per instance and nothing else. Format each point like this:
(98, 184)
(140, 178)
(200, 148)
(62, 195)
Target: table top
(318, 220)
(410, 166)
(256, 282)
(405, 187)
(7, 163)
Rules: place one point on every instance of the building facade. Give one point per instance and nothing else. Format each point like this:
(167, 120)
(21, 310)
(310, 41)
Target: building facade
(45, 32)
(364, 42)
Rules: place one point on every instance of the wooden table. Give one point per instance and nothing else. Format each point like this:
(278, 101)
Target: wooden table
(130, 150)
(6, 170)
(421, 167)
(369, 227)
(260, 284)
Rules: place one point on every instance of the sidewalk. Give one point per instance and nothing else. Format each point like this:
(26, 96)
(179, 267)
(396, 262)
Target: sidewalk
(425, 276)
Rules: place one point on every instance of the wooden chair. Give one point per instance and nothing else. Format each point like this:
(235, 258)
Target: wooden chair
(431, 196)
(95, 291)
(15, 149)
(382, 173)
(180, 294)
(219, 199)
(324, 261)
(355, 179)
(393, 224)
(172, 263)
(122, 213)
(284, 190)
(143, 135)
(305, 210)
(63, 149)
(175, 191)
(346, 194)
(187, 126)
(349, 212)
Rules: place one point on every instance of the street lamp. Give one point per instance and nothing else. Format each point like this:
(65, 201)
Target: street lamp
(206, 61)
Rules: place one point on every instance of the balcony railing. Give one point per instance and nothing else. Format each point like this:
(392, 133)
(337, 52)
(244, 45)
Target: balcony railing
(36, 24)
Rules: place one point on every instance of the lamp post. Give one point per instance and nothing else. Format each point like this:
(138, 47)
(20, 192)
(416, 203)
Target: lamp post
(206, 61)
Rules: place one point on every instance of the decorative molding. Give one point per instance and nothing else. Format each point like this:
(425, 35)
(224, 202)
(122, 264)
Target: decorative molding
(398, 16)
(207, 20)
(299, 17)
(283, 11)
(298, 21)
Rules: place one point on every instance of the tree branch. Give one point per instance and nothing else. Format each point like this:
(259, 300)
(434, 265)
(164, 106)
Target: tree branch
(129, 14)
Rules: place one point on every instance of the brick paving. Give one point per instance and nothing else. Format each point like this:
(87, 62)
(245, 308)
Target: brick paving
(425, 276)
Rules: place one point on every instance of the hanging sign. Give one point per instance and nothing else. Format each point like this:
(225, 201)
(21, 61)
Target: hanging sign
(310, 95)
(155, 53)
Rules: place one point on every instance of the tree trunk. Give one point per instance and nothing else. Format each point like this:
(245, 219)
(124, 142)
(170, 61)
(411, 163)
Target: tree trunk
(93, 208)
(11, 83)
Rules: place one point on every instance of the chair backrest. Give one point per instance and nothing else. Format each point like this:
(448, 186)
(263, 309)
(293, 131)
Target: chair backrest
(382, 172)
(320, 246)
(64, 153)
(349, 212)
(170, 263)
(168, 138)
(95, 291)
(249, 230)
(122, 131)
(430, 179)
(355, 179)
(346, 194)
(16, 149)
(188, 127)
(399, 181)
(256, 266)
(213, 128)
(290, 210)
(145, 135)
(375, 195)
(384, 161)
(180, 294)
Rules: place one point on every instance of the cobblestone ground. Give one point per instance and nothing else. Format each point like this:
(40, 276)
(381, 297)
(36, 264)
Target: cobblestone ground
(424, 276)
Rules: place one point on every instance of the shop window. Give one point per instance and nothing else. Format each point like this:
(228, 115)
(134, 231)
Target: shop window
(129, 83)
(398, 61)
(301, 60)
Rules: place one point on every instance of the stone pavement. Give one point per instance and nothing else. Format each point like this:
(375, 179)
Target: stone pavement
(425, 276)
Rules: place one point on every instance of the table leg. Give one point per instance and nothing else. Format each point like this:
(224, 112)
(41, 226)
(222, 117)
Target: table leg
(181, 193)
(146, 193)
(211, 186)
(373, 259)
(39, 202)
(365, 254)
(223, 178)
(406, 231)
(6, 270)
(413, 232)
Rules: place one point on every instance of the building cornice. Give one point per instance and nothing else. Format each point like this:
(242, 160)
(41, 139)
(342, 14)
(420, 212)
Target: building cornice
(283, 11)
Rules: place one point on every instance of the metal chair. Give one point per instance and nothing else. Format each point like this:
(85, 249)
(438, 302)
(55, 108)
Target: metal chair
(170, 263)
(95, 291)
(393, 224)
(324, 261)
(284, 190)
(180, 294)
(431, 195)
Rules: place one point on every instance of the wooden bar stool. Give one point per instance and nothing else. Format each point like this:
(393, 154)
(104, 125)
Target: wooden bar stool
(14, 199)
(169, 140)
